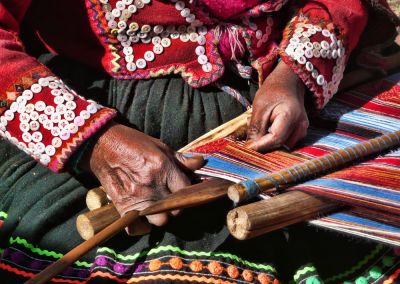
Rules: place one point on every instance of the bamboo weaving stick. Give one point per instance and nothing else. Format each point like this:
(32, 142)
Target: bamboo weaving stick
(280, 211)
(251, 188)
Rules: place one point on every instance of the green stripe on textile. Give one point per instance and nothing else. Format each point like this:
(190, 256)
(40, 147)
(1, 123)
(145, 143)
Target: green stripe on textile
(353, 269)
(39, 251)
(3, 215)
(303, 271)
(186, 253)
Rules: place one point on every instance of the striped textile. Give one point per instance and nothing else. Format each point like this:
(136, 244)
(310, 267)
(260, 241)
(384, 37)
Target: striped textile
(370, 187)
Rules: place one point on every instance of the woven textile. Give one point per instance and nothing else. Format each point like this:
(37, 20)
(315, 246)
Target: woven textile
(371, 187)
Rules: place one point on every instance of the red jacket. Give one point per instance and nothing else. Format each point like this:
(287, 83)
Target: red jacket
(149, 38)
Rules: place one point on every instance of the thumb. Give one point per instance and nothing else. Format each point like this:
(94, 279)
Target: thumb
(189, 163)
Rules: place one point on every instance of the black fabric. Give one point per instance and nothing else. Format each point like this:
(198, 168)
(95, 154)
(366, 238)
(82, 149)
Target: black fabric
(42, 206)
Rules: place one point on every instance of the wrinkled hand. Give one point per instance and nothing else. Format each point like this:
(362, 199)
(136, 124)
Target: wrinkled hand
(279, 117)
(136, 169)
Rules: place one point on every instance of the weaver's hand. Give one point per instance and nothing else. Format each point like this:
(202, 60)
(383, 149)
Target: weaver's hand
(136, 169)
(279, 117)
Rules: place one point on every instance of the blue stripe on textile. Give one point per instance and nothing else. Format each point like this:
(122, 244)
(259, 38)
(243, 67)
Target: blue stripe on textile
(377, 122)
(330, 139)
(364, 222)
(358, 188)
(226, 166)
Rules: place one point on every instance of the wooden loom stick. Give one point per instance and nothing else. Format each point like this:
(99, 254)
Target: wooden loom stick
(251, 188)
(188, 197)
(285, 209)
(96, 198)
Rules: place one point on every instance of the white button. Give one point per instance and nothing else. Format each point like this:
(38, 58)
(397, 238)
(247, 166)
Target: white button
(45, 159)
(128, 50)
(55, 92)
(63, 124)
(185, 12)
(207, 67)
(146, 29)
(309, 66)
(26, 137)
(48, 124)
(24, 117)
(9, 115)
(134, 39)
(184, 37)
(84, 114)
(29, 108)
(116, 13)
(201, 40)
(308, 53)
(132, 9)
(139, 4)
(49, 110)
(146, 1)
(61, 109)
(34, 115)
(316, 53)
(158, 49)
(120, 5)
(73, 128)
(59, 100)
(156, 40)
(302, 60)
(320, 80)
(326, 33)
(37, 136)
(92, 108)
(190, 18)
(21, 109)
(158, 29)
(193, 37)
(21, 100)
(40, 147)
(50, 150)
(69, 115)
(325, 44)
(34, 125)
(127, 2)
(112, 24)
(14, 107)
(68, 97)
(122, 38)
(294, 40)
(130, 66)
(79, 121)
(340, 52)
(166, 42)
(55, 117)
(200, 50)
(36, 88)
(53, 85)
(28, 94)
(64, 134)
(141, 63)
(40, 106)
(202, 59)
(175, 35)
(129, 58)
(43, 118)
(55, 131)
(149, 55)
(179, 5)
(24, 126)
(56, 142)
(44, 82)
(324, 53)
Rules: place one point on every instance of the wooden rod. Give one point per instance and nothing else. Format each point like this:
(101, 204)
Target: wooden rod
(191, 196)
(265, 216)
(308, 169)
(96, 198)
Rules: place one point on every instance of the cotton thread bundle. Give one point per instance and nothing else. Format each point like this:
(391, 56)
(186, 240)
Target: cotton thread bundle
(251, 188)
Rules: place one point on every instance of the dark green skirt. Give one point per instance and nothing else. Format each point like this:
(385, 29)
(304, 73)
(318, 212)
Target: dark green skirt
(39, 208)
